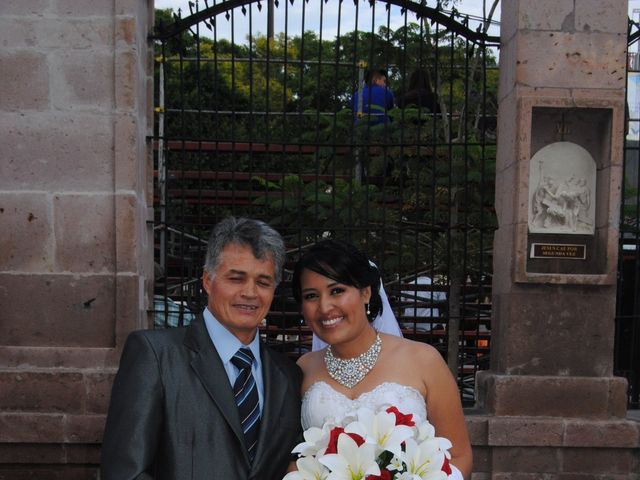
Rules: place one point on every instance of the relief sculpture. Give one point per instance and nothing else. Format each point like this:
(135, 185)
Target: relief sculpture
(562, 181)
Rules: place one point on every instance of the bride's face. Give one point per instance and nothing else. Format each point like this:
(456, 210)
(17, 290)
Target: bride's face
(334, 311)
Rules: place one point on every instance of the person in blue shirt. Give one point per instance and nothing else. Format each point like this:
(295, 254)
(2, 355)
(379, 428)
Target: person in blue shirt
(375, 100)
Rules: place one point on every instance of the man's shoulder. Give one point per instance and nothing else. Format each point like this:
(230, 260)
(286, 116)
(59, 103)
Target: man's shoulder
(158, 337)
(283, 361)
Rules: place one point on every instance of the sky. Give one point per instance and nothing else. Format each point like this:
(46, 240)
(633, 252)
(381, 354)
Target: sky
(312, 11)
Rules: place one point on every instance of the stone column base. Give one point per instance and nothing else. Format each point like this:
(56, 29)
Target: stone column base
(552, 396)
(51, 422)
(551, 448)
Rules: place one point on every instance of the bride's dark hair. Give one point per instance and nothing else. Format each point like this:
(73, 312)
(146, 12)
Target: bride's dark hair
(343, 263)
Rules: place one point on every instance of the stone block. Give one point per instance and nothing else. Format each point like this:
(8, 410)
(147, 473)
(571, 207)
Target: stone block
(567, 322)
(49, 472)
(84, 428)
(525, 432)
(26, 235)
(481, 459)
(609, 16)
(505, 199)
(62, 311)
(130, 308)
(82, 454)
(31, 428)
(84, 228)
(32, 453)
(503, 242)
(602, 434)
(604, 214)
(83, 79)
(72, 8)
(55, 151)
(567, 60)
(618, 388)
(126, 80)
(48, 428)
(480, 476)
(566, 397)
(50, 392)
(508, 31)
(98, 391)
(24, 7)
(54, 357)
(87, 34)
(601, 460)
(477, 428)
(522, 476)
(127, 7)
(16, 32)
(23, 82)
(127, 237)
(555, 15)
(127, 161)
(526, 460)
(126, 31)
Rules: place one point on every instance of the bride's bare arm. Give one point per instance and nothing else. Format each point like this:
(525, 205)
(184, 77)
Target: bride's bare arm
(445, 409)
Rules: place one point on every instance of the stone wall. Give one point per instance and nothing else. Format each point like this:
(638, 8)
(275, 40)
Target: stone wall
(75, 200)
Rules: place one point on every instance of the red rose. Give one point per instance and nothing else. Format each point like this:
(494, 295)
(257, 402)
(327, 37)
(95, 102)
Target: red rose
(384, 475)
(401, 418)
(333, 439)
(446, 468)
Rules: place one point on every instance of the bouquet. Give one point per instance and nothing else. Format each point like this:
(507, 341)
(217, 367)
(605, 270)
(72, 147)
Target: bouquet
(381, 445)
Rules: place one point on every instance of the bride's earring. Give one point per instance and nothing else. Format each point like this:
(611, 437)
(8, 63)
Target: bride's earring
(368, 309)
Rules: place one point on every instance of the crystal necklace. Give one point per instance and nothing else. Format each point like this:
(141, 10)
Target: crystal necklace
(349, 372)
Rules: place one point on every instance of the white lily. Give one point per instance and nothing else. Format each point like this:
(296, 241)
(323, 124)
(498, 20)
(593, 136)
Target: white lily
(308, 469)
(396, 464)
(407, 476)
(351, 462)
(426, 431)
(381, 429)
(315, 442)
(424, 459)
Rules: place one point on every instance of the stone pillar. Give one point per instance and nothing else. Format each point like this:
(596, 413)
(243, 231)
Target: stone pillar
(75, 242)
(553, 407)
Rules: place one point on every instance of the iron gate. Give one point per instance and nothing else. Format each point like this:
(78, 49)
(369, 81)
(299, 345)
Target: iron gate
(264, 126)
(627, 342)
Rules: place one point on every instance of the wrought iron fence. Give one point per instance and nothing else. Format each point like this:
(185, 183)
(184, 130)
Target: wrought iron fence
(265, 126)
(627, 342)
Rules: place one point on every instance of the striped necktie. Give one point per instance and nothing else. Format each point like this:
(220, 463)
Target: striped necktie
(246, 394)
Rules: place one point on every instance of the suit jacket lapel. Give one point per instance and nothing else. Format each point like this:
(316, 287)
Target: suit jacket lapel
(276, 389)
(208, 367)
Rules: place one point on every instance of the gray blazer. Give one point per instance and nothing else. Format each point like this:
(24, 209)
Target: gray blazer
(173, 416)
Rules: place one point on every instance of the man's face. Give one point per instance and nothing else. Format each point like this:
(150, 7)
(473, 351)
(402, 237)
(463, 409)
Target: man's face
(241, 290)
(380, 81)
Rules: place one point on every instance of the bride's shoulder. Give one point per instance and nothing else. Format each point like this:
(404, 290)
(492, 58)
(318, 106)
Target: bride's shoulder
(311, 360)
(415, 350)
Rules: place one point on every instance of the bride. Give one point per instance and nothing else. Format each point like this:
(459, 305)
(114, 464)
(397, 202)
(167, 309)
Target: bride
(333, 283)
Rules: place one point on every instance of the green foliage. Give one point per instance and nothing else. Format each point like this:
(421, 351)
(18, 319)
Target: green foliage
(417, 192)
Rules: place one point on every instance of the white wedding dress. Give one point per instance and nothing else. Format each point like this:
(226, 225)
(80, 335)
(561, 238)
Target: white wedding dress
(321, 403)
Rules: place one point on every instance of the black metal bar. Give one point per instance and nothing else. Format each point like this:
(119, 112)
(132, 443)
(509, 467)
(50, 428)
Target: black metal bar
(163, 32)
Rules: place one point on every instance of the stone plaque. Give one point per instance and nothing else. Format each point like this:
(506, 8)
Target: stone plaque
(558, 250)
(562, 186)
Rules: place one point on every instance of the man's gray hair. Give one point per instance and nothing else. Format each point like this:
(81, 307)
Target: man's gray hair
(263, 240)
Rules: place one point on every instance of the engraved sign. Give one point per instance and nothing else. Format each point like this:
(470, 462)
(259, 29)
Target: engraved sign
(557, 250)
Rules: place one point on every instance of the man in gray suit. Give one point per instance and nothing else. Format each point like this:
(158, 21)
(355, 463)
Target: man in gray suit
(210, 401)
